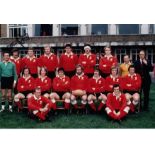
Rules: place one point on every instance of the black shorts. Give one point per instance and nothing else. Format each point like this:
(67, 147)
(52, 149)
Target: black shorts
(7, 82)
(26, 92)
(130, 92)
(95, 94)
(45, 92)
(51, 75)
(70, 73)
(60, 94)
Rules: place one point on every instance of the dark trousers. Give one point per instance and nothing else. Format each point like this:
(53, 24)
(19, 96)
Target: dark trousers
(146, 91)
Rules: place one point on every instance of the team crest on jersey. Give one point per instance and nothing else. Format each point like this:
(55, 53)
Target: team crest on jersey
(45, 81)
(135, 77)
(29, 81)
(63, 80)
(110, 59)
(99, 82)
(120, 99)
(51, 58)
(90, 57)
(71, 56)
(41, 102)
(34, 60)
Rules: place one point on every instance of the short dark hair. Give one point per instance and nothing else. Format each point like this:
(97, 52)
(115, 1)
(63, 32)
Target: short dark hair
(15, 50)
(61, 69)
(68, 45)
(6, 53)
(115, 85)
(131, 66)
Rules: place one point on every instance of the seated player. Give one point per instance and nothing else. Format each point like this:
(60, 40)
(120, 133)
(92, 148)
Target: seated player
(61, 88)
(131, 85)
(44, 82)
(39, 105)
(111, 80)
(116, 106)
(25, 87)
(79, 84)
(96, 88)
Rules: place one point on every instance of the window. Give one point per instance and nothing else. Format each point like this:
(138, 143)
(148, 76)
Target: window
(46, 29)
(99, 29)
(69, 29)
(120, 53)
(128, 28)
(17, 30)
(37, 52)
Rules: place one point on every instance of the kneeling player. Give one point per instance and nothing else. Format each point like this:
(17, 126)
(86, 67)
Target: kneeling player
(39, 105)
(25, 87)
(61, 88)
(131, 85)
(96, 87)
(116, 106)
(79, 84)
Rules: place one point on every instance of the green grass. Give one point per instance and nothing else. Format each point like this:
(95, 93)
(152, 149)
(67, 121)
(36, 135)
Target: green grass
(140, 120)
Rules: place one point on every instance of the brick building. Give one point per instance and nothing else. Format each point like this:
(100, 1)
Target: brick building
(124, 38)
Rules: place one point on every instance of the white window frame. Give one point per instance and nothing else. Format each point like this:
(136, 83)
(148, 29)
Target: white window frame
(20, 26)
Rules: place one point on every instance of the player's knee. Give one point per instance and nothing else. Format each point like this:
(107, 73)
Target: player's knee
(73, 97)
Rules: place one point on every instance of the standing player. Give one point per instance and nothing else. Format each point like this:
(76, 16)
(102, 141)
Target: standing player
(50, 61)
(106, 62)
(68, 61)
(61, 88)
(96, 89)
(116, 106)
(8, 78)
(131, 85)
(17, 61)
(79, 84)
(25, 87)
(88, 61)
(31, 62)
